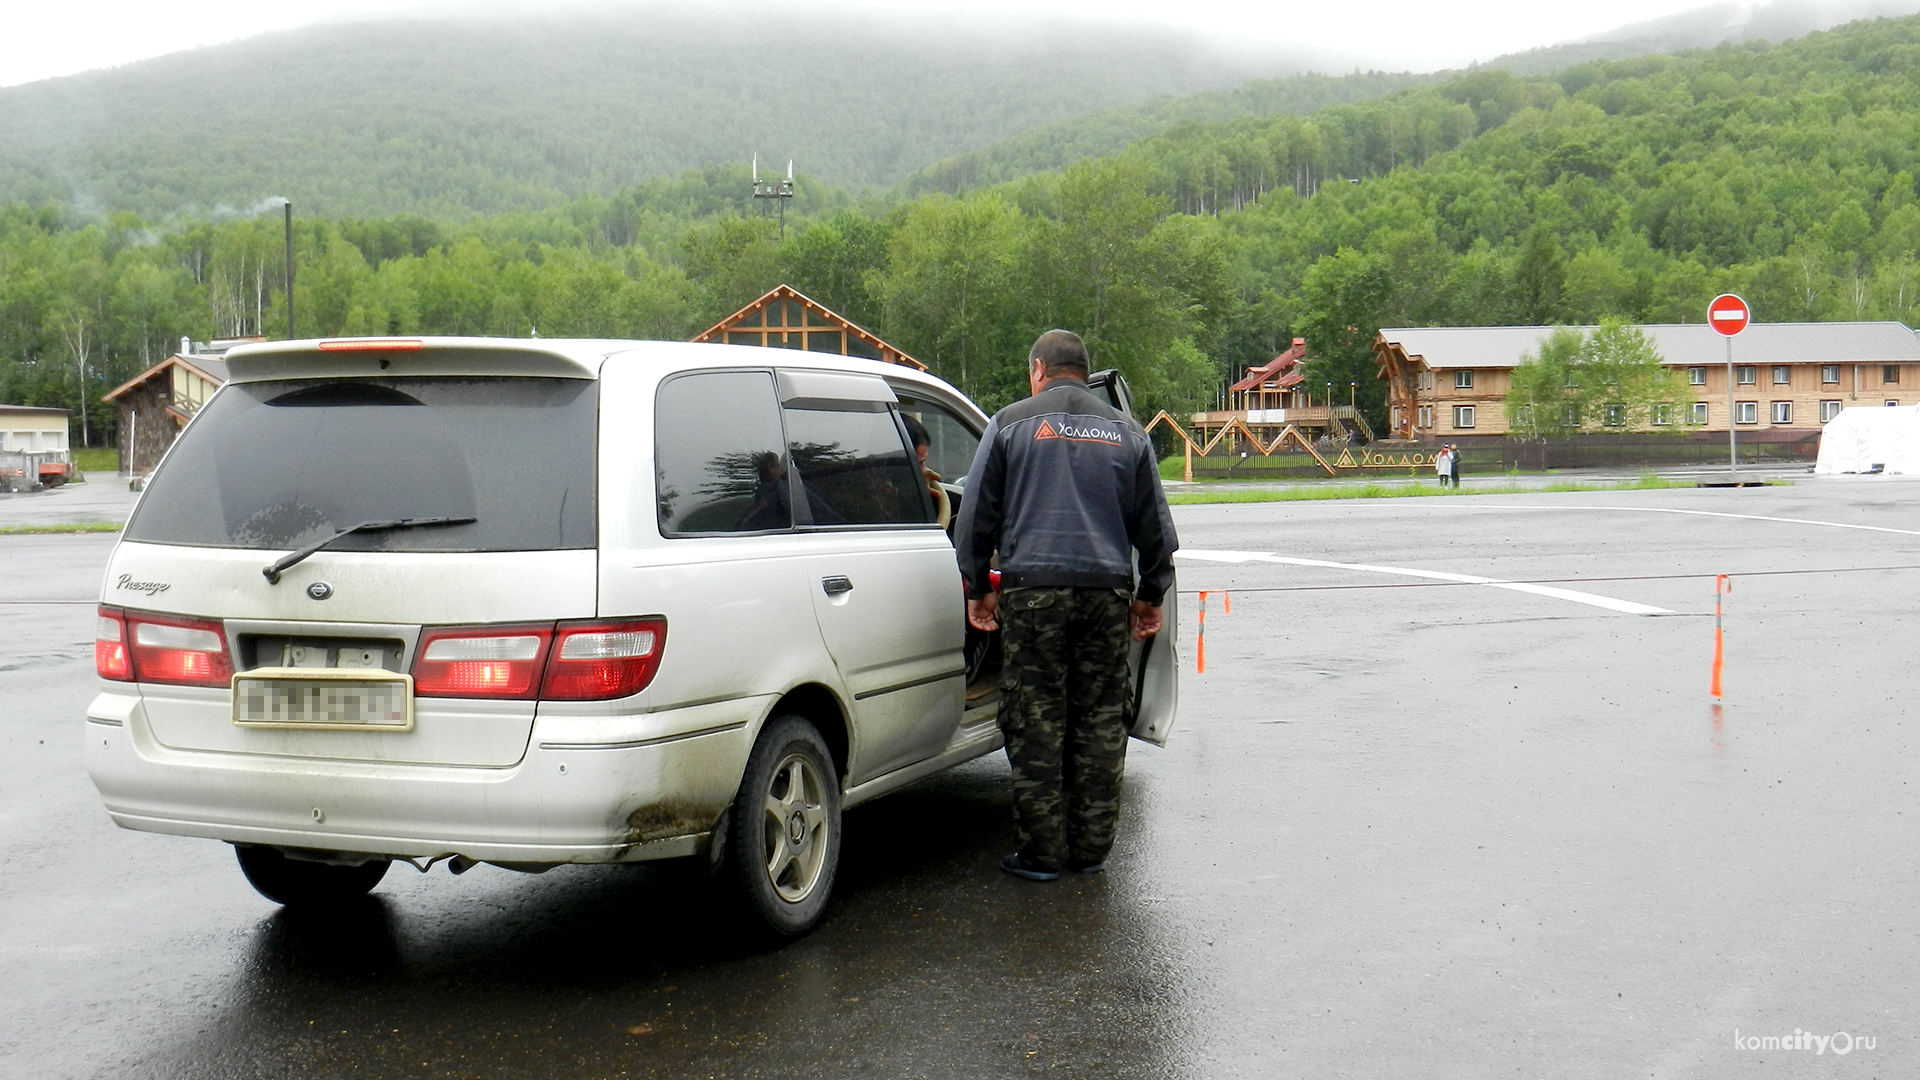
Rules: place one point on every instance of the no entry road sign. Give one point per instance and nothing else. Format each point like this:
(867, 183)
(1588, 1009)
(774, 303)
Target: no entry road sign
(1728, 314)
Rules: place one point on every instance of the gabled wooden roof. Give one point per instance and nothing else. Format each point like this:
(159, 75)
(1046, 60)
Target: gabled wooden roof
(212, 369)
(786, 318)
(1274, 368)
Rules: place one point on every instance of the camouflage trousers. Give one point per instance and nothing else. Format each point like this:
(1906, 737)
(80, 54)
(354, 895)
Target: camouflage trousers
(1064, 714)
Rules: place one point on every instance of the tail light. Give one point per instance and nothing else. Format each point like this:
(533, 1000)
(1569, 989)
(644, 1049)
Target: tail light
(482, 661)
(162, 649)
(110, 657)
(603, 660)
(582, 661)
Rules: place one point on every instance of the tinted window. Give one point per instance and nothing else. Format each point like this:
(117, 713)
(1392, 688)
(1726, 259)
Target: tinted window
(853, 468)
(950, 443)
(719, 455)
(274, 465)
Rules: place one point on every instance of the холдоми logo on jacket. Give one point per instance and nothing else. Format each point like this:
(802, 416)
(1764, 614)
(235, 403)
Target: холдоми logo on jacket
(1081, 431)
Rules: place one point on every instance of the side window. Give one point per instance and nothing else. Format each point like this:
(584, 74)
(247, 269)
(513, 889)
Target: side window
(719, 460)
(851, 461)
(950, 443)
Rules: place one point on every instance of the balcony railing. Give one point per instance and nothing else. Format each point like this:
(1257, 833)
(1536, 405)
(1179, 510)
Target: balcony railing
(1315, 415)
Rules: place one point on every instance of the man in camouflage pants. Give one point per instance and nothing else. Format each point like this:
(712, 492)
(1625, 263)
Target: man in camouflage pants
(1066, 489)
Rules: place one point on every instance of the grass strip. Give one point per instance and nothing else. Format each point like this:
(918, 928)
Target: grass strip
(67, 527)
(104, 459)
(1319, 492)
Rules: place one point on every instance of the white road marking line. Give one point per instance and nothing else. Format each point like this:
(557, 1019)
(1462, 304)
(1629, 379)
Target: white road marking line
(1626, 607)
(1696, 513)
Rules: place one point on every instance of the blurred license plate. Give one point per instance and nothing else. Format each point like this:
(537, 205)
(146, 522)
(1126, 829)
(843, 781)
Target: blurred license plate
(352, 700)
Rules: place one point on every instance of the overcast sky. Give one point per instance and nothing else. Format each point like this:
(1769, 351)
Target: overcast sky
(41, 39)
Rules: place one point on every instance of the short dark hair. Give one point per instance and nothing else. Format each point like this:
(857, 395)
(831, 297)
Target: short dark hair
(916, 431)
(1061, 352)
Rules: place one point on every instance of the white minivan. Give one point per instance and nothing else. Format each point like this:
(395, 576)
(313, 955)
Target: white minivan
(533, 602)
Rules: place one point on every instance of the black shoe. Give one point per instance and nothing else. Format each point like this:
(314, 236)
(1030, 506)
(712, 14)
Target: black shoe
(1086, 866)
(1012, 865)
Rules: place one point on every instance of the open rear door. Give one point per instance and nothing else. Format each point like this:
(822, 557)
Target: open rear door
(1155, 667)
(1154, 663)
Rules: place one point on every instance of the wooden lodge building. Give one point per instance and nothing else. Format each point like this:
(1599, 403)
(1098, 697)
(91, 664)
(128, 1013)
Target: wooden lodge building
(1273, 396)
(1450, 383)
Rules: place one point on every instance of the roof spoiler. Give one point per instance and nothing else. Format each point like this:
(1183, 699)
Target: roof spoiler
(346, 358)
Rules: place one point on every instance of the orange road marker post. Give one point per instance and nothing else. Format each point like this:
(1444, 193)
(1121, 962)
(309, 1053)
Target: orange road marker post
(1721, 584)
(1200, 640)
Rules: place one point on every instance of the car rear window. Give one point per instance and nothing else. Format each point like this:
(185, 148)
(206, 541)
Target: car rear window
(276, 465)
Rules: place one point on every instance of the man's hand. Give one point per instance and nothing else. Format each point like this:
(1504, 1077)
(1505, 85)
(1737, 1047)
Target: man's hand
(1145, 618)
(984, 613)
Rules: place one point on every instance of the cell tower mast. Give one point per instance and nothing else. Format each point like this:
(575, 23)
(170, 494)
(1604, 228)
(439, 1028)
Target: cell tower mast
(778, 190)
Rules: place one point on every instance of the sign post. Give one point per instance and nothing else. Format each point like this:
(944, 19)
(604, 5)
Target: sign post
(1728, 315)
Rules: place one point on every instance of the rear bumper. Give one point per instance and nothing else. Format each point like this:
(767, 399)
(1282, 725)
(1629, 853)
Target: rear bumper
(588, 790)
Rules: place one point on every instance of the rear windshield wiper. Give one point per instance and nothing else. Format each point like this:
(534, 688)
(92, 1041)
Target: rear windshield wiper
(273, 572)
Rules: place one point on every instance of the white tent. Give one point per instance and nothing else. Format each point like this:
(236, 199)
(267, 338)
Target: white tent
(1865, 439)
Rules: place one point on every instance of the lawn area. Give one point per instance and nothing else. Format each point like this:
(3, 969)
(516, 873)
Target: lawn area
(99, 459)
(74, 527)
(1411, 491)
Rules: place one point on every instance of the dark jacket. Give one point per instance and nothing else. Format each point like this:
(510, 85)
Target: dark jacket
(1066, 488)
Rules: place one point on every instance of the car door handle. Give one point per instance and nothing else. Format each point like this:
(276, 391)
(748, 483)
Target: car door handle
(835, 585)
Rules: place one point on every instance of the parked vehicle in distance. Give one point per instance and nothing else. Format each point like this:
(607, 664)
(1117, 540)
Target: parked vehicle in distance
(31, 470)
(55, 467)
(532, 602)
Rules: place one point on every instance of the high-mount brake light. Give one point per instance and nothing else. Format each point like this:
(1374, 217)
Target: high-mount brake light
(372, 345)
(172, 649)
(481, 661)
(110, 646)
(598, 661)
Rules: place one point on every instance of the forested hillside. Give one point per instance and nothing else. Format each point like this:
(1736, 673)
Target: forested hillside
(1097, 134)
(1108, 131)
(1633, 188)
(453, 118)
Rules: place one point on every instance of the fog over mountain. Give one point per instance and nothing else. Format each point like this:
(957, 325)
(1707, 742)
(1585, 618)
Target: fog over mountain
(1703, 28)
(453, 117)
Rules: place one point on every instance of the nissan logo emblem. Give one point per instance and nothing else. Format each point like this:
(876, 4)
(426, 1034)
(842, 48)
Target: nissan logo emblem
(319, 590)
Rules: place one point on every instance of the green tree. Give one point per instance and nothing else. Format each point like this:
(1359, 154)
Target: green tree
(831, 260)
(1611, 378)
(949, 284)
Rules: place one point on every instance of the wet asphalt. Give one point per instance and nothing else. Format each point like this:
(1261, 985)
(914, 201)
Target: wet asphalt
(1404, 829)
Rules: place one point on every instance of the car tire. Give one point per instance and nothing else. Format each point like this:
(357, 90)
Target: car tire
(298, 883)
(783, 830)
